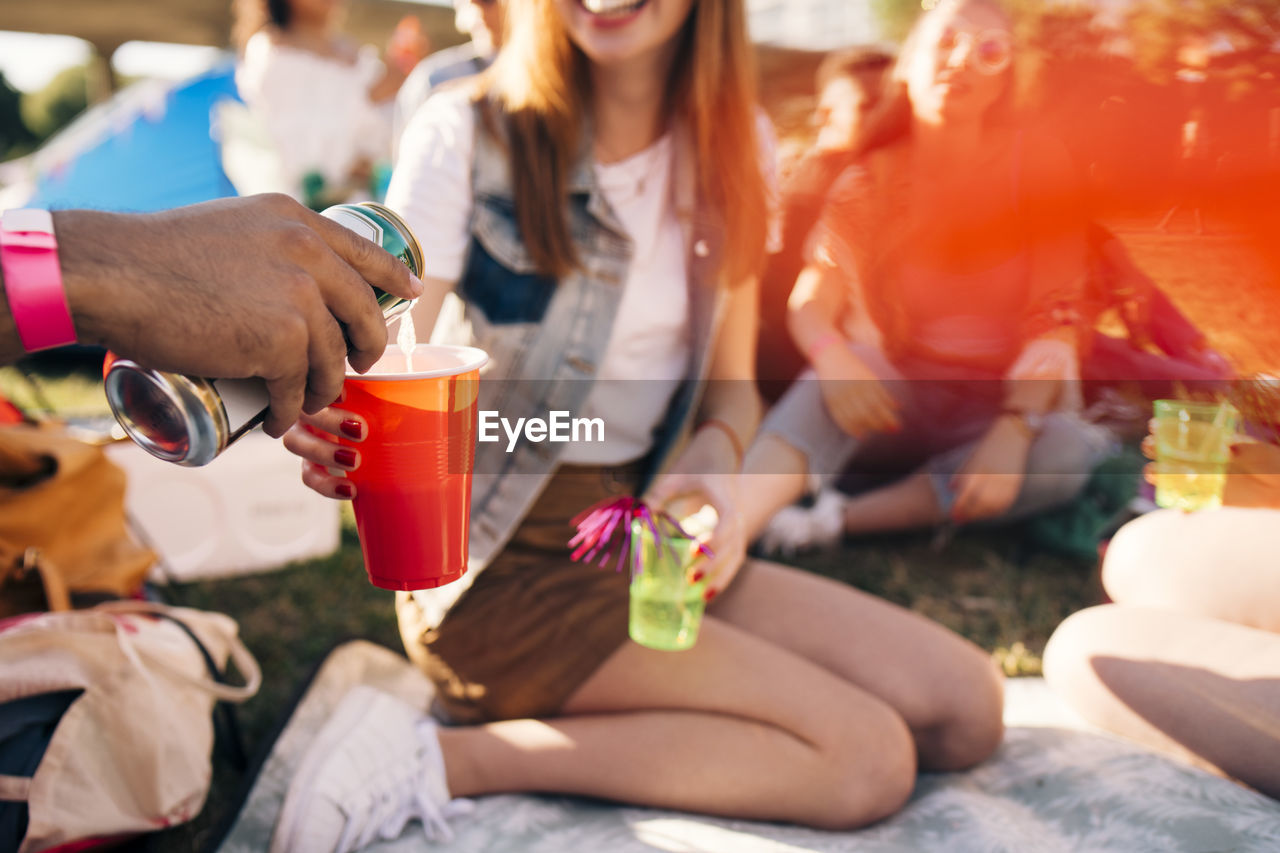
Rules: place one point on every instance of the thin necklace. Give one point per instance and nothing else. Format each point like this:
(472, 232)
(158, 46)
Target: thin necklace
(643, 167)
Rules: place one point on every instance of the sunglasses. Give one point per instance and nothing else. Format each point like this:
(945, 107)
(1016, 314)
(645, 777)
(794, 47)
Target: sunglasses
(989, 51)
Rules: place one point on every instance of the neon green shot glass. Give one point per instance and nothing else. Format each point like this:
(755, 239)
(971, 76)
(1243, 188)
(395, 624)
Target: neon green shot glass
(666, 605)
(1193, 447)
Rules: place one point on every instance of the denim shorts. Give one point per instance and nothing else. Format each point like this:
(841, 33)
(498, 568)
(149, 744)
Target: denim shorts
(944, 417)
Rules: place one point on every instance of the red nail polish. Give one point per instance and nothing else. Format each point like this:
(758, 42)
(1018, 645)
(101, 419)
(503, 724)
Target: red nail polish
(708, 595)
(699, 575)
(345, 490)
(345, 456)
(352, 429)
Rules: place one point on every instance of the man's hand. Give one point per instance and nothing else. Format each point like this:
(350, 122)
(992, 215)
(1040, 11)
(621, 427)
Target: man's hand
(257, 286)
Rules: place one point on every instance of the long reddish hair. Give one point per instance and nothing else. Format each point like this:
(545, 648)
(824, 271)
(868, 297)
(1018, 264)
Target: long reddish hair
(540, 84)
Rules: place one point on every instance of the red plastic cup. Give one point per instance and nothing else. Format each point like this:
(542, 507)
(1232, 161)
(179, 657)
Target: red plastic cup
(413, 486)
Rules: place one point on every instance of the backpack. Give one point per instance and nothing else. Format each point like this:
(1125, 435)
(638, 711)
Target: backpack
(1078, 528)
(63, 529)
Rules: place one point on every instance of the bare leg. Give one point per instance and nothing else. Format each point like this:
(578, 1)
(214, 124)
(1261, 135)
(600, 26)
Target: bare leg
(946, 689)
(1204, 690)
(735, 726)
(1218, 564)
(907, 504)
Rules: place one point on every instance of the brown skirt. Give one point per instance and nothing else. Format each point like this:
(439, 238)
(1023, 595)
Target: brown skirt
(534, 625)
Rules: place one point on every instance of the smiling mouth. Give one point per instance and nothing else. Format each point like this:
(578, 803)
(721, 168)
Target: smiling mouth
(612, 8)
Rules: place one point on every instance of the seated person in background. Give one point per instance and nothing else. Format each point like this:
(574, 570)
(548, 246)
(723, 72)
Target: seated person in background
(324, 102)
(849, 84)
(941, 305)
(1154, 325)
(483, 20)
(1187, 658)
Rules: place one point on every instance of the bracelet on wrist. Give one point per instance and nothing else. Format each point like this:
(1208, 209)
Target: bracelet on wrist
(33, 280)
(1031, 423)
(738, 452)
(822, 344)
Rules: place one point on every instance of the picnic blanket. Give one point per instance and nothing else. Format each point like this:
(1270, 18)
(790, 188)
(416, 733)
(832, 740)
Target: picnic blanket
(1051, 787)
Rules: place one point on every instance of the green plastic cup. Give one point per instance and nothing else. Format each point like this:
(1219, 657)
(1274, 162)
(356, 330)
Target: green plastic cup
(1193, 448)
(666, 607)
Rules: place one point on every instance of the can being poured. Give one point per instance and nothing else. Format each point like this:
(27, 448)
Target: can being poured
(189, 420)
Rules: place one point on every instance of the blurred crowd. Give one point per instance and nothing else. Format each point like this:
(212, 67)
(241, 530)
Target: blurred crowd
(333, 110)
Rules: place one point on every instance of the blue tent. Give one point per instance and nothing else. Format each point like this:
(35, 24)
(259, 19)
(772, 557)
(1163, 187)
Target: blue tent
(149, 148)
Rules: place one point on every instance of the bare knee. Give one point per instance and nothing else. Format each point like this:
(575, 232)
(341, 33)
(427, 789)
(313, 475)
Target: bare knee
(869, 776)
(1127, 566)
(972, 726)
(1068, 656)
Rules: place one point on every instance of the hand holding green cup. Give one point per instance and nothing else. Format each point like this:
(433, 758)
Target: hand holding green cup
(1193, 448)
(659, 552)
(666, 604)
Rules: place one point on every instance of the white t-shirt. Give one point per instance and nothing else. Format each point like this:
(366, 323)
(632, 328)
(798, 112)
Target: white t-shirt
(648, 352)
(315, 109)
(649, 349)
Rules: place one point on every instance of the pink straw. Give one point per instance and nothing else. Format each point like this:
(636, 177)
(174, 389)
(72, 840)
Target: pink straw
(604, 530)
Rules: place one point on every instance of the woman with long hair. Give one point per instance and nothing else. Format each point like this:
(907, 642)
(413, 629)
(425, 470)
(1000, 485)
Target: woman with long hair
(597, 211)
(941, 311)
(324, 101)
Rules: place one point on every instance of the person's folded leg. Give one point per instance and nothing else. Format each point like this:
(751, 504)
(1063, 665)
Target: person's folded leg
(1219, 563)
(1201, 689)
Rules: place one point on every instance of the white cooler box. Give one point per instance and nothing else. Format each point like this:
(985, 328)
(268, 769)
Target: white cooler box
(247, 511)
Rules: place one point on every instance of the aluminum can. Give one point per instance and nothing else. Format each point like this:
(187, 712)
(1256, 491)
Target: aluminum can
(189, 420)
(379, 224)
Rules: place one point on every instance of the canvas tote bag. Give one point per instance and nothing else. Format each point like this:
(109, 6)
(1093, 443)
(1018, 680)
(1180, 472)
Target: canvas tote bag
(131, 753)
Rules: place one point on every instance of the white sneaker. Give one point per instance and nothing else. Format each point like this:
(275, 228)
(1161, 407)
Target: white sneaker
(373, 767)
(795, 529)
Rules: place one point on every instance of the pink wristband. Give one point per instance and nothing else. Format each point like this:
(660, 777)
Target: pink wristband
(33, 280)
(822, 343)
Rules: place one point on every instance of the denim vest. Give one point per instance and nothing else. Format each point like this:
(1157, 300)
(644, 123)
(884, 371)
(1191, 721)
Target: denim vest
(546, 337)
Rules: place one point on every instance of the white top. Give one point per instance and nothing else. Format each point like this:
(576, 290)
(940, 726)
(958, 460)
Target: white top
(315, 109)
(649, 350)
